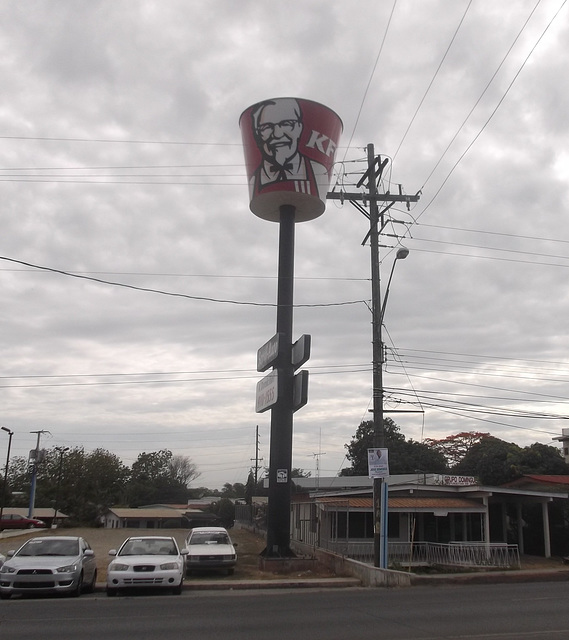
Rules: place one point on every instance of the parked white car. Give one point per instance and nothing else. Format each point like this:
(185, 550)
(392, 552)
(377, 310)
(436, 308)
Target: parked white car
(50, 564)
(210, 548)
(146, 561)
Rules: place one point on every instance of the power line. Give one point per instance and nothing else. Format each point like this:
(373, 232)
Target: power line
(432, 81)
(171, 293)
(109, 141)
(494, 111)
(483, 93)
(371, 77)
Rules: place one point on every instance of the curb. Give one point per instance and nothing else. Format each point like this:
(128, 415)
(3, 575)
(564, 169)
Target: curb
(488, 577)
(241, 585)
(493, 577)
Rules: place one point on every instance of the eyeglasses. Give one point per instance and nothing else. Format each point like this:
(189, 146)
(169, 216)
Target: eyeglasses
(268, 128)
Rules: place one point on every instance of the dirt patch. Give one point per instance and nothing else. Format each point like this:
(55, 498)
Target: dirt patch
(249, 546)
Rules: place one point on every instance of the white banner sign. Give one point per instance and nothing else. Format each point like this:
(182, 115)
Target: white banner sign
(378, 463)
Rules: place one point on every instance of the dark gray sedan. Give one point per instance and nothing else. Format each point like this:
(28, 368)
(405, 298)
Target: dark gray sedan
(50, 564)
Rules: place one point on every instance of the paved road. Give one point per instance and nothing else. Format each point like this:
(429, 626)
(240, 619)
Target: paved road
(497, 612)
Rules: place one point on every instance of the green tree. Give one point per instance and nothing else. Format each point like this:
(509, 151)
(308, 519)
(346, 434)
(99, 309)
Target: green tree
(224, 509)
(405, 456)
(154, 479)
(456, 446)
(80, 484)
(250, 488)
(492, 461)
(236, 490)
(542, 459)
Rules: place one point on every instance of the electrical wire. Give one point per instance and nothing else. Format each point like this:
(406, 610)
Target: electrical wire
(371, 78)
(493, 113)
(171, 293)
(433, 79)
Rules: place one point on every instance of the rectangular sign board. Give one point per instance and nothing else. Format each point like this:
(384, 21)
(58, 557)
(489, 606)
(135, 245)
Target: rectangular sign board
(378, 463)
(300, 390)
(267, 392)
(268, 354)
(301, 350)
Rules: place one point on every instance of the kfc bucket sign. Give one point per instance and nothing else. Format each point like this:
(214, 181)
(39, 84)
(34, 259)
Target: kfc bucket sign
(289, 146)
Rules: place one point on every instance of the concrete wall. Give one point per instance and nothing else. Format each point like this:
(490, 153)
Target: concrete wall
(343, 566)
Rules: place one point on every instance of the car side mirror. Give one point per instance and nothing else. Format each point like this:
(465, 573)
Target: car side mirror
(88, 552)
(11, 553)
(113, 552)
(184, 552)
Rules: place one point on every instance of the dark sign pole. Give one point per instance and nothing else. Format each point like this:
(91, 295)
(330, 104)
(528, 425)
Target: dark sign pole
(280, 485)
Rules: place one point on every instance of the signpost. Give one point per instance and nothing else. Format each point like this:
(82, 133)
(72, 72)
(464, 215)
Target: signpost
(301, 351)
(269, 353)
(267, 392)
(300, 390)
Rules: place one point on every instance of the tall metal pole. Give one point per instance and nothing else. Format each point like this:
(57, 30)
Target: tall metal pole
(5, 490)
(61, 451)
(377, 353)
(280, 485)
(34, 477)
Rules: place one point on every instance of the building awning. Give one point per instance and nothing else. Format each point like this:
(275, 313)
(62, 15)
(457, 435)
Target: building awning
(405, 504)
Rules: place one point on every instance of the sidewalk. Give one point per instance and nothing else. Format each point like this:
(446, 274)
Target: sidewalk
(482, 577)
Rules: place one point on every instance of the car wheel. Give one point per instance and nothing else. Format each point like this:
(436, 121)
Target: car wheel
(91, 587)
(77, 591)
(5, 596)
(230, 571)
(31, 526)
(177, 590)
(111, 593)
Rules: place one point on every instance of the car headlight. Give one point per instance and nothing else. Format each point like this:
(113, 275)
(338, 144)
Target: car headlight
(6, 569)
(169, 566)
(70, 568)
(117, 566)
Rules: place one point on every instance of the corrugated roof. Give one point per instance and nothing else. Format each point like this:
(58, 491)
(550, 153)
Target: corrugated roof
(147, 513)
(39, 512)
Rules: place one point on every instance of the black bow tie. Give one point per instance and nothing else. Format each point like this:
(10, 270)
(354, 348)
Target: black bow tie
(281, 170)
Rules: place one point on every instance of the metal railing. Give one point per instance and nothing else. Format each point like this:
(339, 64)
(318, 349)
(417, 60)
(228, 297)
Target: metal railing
(455, 554)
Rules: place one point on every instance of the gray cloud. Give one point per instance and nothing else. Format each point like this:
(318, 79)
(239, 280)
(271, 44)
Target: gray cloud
(121, 160)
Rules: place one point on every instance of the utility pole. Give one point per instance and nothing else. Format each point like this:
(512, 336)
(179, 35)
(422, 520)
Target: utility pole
(257, 459)
(5, 489)
(375, 167)
(35, 457)
(61, 451)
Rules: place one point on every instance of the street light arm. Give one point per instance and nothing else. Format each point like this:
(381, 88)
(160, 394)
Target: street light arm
(402, 253)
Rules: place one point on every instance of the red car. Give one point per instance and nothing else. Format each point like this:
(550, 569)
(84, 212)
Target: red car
(15, 521)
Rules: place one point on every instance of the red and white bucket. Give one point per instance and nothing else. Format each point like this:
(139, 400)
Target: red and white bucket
(290, 146)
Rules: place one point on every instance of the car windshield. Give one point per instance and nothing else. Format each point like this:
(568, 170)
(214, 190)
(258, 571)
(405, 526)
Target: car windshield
(140, 547)
(209, 537)
(50, 548)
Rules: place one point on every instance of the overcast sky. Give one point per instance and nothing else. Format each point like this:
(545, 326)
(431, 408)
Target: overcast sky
(121, 160)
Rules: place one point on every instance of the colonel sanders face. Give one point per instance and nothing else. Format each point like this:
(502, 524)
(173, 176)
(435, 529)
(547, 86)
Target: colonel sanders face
(277, 126)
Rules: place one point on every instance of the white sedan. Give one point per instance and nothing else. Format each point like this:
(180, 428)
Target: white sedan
(210, 548)
(146, 561)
